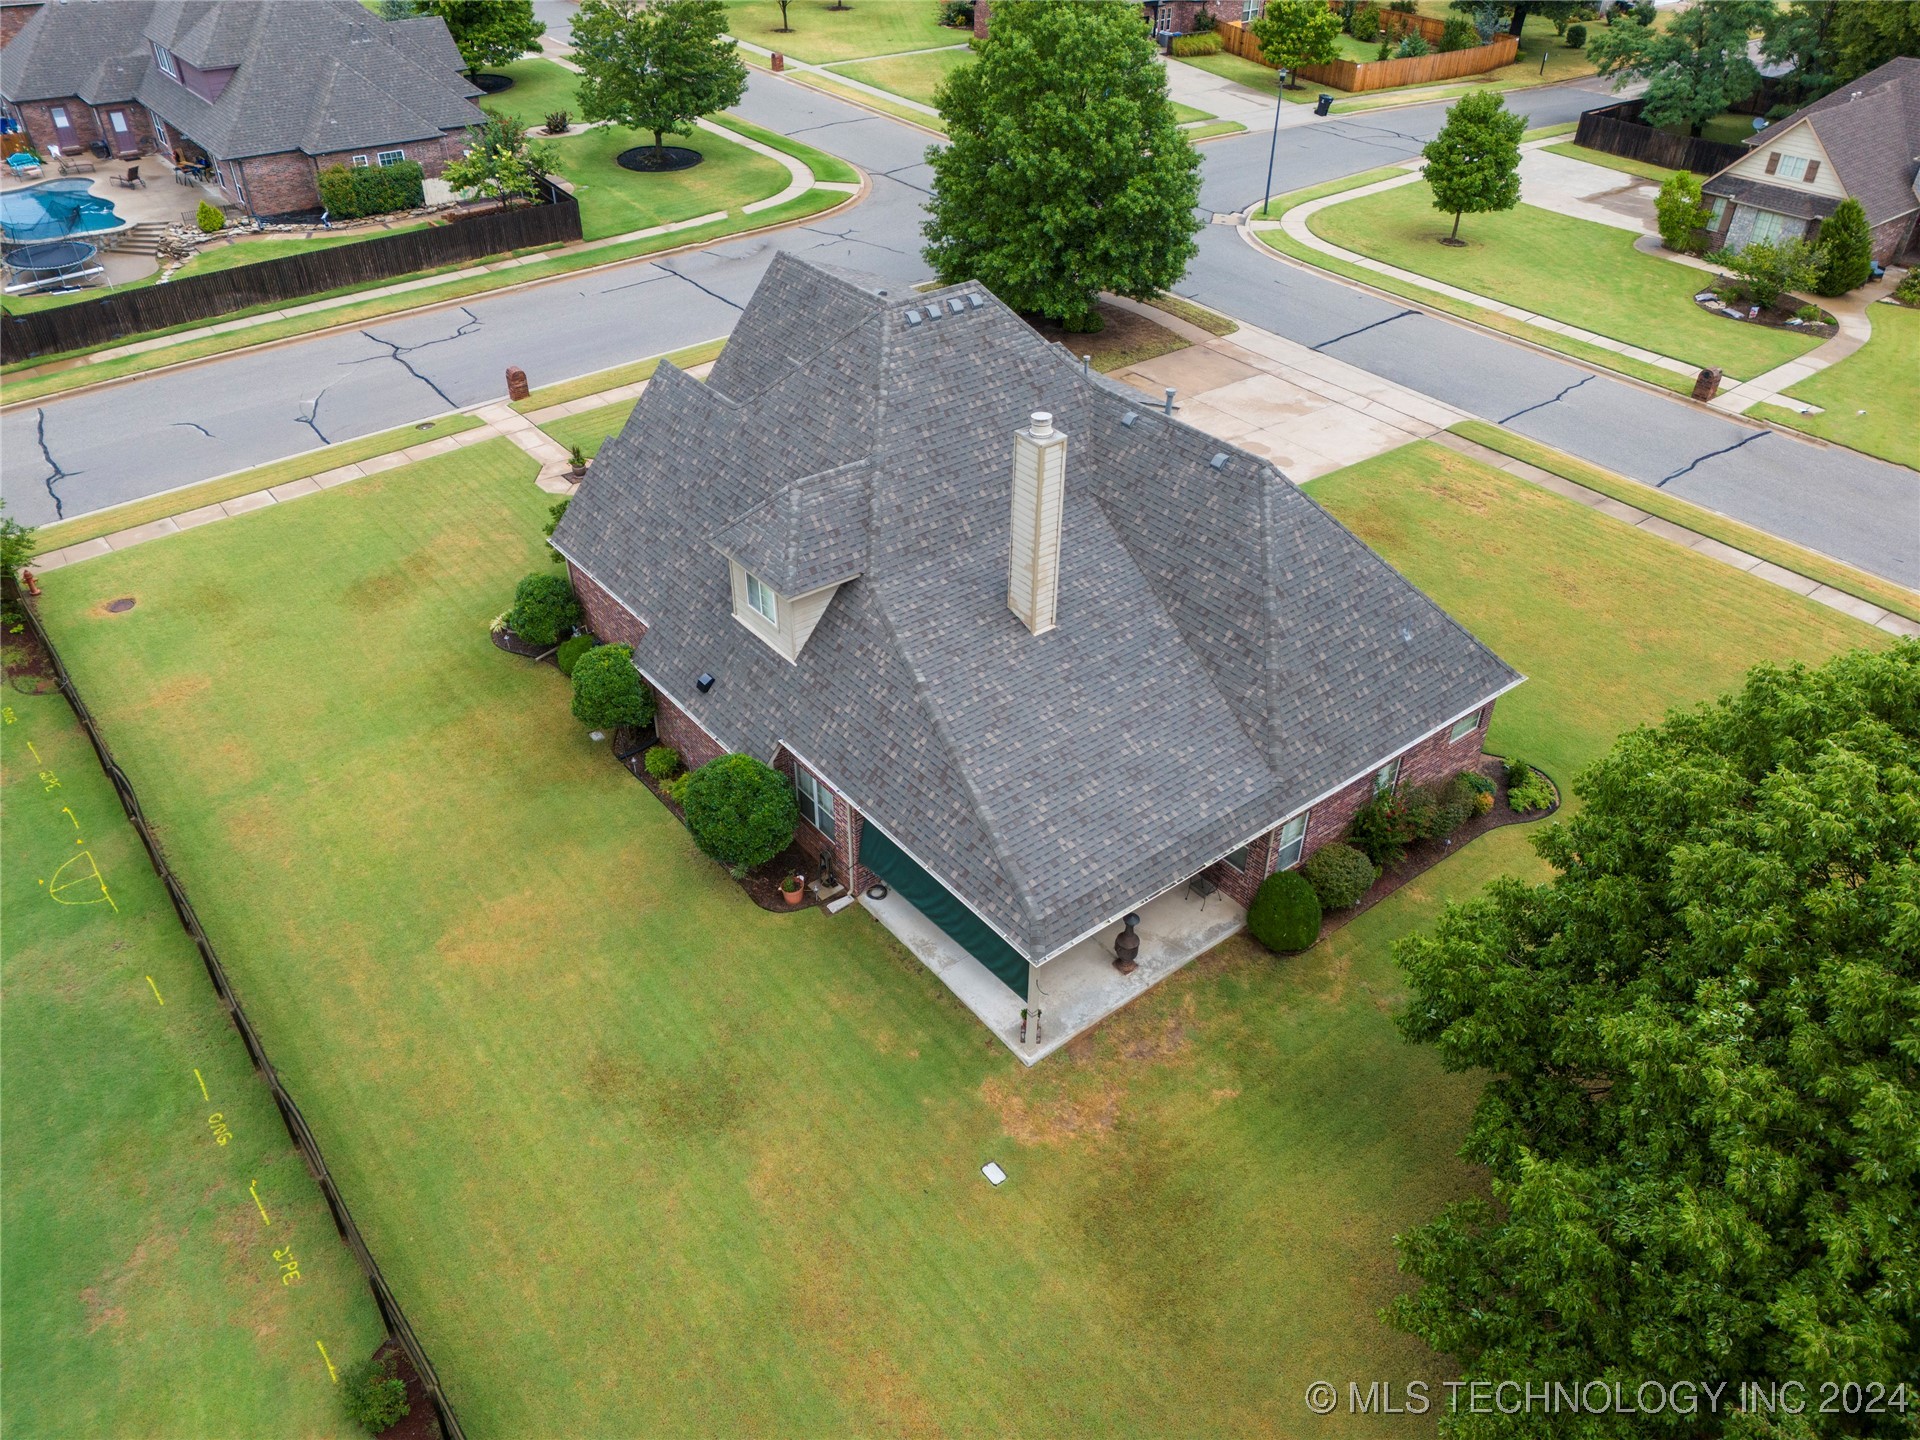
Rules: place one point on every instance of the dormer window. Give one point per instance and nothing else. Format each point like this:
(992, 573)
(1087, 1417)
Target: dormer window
(164, 58)
(763, 600)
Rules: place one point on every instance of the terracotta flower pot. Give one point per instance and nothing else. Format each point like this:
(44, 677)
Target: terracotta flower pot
(793, 896)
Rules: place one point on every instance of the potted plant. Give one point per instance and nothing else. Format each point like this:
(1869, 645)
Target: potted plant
(577, 459)
(791, 891)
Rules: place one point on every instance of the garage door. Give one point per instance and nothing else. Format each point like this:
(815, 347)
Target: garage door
(943, 907)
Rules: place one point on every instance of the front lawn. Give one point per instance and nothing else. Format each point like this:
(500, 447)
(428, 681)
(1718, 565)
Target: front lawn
(1576, 271)
(1871, 400)
(143, 1296)
(1623, 163)
(615, 201)
(540, 87)
(641, 1158)
(822, 34)
(914, 76)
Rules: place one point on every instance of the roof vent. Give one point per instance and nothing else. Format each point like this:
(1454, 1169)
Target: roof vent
(1219, 461)
(704, 683)
(957, 305)
(913, 317)
(973, 299)
(1128, 418)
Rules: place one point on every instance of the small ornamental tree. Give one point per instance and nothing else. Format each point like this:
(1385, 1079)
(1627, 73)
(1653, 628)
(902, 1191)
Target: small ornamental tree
(1769, 269)
(488, 32)
(608, 691)
(500, 163)
(1681, 211)
(741, 811)
(658, 66)
(1695, 67)
(1297, 32)
(1066, 173)
(544, 609)
(1846, 250)
(375, 1397)
(1702, 1122)
(1473, 164)
(1285, 914)
(210, 218)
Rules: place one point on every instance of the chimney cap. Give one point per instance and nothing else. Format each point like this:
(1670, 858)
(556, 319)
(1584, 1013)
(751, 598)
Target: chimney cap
(1040, 424)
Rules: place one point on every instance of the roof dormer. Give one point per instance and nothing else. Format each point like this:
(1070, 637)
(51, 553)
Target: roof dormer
(790, 554)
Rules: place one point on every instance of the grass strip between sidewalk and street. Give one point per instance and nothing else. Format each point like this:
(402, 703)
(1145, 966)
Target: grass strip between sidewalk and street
(829, 168)
(582, 386)
(852, 96)
(1785, 554)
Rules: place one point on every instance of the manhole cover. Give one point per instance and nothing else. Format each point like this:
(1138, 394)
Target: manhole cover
(647, 159)
(120, 606)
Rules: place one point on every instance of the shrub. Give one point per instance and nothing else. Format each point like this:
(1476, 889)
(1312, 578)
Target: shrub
(1285, 914)
(1204, 22)
(957, 13)
(558, 122)
(1768, 269)
(1458, 34)
(1385, 52)
(1366, 25)
(570, 652)
(1907, 292)
(1576, 37)
(544, 609)
(554, 517)
(1846, 250)
(1404, 7)
(1476, 782)
(662, 762)
(741, 811)
(1810, 315)
(1340, 875)
(1533, 792)
(350, 191)
(1517, 770)
(1208, 44)
(209, 218)
(1381, 830)
(1413, 44)
(375, 1397)
(1437, 810)
(1681, 210)
(608, 691)
(676, 789)
(1643, 14)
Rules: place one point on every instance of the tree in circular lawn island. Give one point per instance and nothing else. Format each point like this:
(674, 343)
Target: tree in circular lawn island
(741, 811)
(1473, 164)
(657, 66)
(608, 691)
(1702, 1120)
(1066, 173)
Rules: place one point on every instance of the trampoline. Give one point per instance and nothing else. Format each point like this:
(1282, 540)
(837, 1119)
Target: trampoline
(43, 266)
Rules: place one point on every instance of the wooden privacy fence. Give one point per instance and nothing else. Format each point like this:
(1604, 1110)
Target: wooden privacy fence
(122, 313)
(1356, 75)
(391, 1315)
(1619, 130)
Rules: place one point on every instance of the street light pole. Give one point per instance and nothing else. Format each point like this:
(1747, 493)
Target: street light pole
(1273, 145)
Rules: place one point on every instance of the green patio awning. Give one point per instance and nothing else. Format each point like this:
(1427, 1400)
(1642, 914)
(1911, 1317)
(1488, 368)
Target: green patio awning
(944, 908)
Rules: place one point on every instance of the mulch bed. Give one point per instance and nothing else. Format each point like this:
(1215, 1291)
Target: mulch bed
(1776, 319)
(1423, 855)
(29, 669)
(1124, 338)
(511, 643)
(419, 1423)
(649, 161)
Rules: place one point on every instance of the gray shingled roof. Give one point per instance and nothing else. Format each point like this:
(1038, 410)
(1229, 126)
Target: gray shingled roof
(318, 76)
(808, 535)
(1870, 130)
(1777, 198)
(1226, 651)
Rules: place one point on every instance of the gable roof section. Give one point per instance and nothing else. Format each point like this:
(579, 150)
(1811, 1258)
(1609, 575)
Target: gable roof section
(1227, 653)
(96, 51)
(1871, 131)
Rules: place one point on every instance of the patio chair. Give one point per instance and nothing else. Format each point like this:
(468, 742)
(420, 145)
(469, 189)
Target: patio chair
(130, 179)
(24, 162)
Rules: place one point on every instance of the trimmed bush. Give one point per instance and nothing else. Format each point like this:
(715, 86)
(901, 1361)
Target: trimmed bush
(676, 789)
(375, 1397)
(608, 691)
(1414, 44)
(1810, 315)
(741, 811)
(1681, 211)
(1576, 37)
(1207, 43)
(1285, 914)
(1476, 782)
(1203, 22)
(1517, 770)
(544, 609)
(957, 14)
(1366, 25)
(1381, 830)
(1458, 34)
(663, 762)
(1846, 250)
(1532, 792)
(1437, 810)
(1340, 875)
(570, 651)
(209, 218)
(1907, 292)
(350, 191)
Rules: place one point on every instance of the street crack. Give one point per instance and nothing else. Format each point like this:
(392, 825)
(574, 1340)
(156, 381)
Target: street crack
(312, 418)
(54, 473)
(1553, 400)
(1364, 328)
(698, 286)
(398, 354)
(190, 425)
(1723, 450)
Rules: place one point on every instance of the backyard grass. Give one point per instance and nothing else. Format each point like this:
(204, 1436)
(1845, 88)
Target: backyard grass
(914, 76)
(1521, 257)
(822, 34)
(142, 1294)
(1871, 400)
(641, 1158)
(1612, 162)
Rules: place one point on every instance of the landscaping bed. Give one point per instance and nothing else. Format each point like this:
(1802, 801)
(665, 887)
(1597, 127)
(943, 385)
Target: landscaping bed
(1125, 337)
(1779, 317)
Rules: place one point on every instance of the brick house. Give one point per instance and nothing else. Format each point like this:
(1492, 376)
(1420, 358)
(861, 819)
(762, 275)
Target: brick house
(1164, 17)
(268, 93)
(1029, 705)
(1861, 142)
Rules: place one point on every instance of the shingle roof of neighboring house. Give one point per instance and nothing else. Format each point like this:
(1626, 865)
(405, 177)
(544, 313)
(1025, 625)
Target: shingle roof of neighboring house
(1226, 652)
(318, 76)
(1778, 198)
(1871, 132)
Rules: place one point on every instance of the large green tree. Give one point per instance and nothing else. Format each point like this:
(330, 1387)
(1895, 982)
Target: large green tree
(1473, 164)
(1832, 42)
(656, 66)
(1066, 173)
(1702, 1120)
(1293, 33)
(488, 32)
(1696, 67)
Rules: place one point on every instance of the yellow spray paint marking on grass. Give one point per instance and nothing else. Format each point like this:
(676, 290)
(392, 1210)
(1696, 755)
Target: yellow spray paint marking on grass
(253, 1189)
(92, 875)
(156, 990)
(332, 1374)
(203, 1083)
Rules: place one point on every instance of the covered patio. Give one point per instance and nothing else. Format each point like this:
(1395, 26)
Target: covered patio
(1078, 988)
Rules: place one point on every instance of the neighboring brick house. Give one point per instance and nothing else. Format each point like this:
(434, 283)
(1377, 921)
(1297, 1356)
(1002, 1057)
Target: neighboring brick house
(14, 15)
(266, 92)
(1029, 704)
(1164, 17)
(1862, 141)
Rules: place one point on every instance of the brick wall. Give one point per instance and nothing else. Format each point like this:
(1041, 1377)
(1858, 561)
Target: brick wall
(288, 182)
(12, 17)
(606, 616)
(36, 117)
(1239, 884)
(432, 155)
(1895, 238)
(846, 827)
(1434, 758)
(680, 730)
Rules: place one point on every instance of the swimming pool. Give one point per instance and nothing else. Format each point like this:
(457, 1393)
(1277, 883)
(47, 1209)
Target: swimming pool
(56, 209)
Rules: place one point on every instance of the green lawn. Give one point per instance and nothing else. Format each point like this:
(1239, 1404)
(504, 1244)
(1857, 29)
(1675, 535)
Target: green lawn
(822, 34)
(540, 87)
(642, 1159)
(1871, 400)
(142, 1295)
(914, 76)
(824, 166)
(1612, 162)
(1524, 257)
(614, 201)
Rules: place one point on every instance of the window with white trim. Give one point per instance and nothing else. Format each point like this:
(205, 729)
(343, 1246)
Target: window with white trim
(1250, 11)
(1463, 727)
(163, 57)
(1291, 840)
(1791, 167)
(1767, 225)
(816, 801)
(390, 157)
(762, 601)
(1386, 777)
(360, 161)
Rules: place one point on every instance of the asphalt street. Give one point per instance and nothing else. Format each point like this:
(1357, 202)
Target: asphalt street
(76, 454)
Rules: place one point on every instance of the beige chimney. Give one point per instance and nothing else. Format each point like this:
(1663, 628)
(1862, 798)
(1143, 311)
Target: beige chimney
(1039, 486)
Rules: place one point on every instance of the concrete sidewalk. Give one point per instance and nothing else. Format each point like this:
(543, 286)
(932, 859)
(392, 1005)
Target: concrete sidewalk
(1854, 312)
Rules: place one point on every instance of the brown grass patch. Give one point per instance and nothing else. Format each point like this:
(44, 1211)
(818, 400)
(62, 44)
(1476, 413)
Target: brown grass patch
(1055, 1119)
(520, 924)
